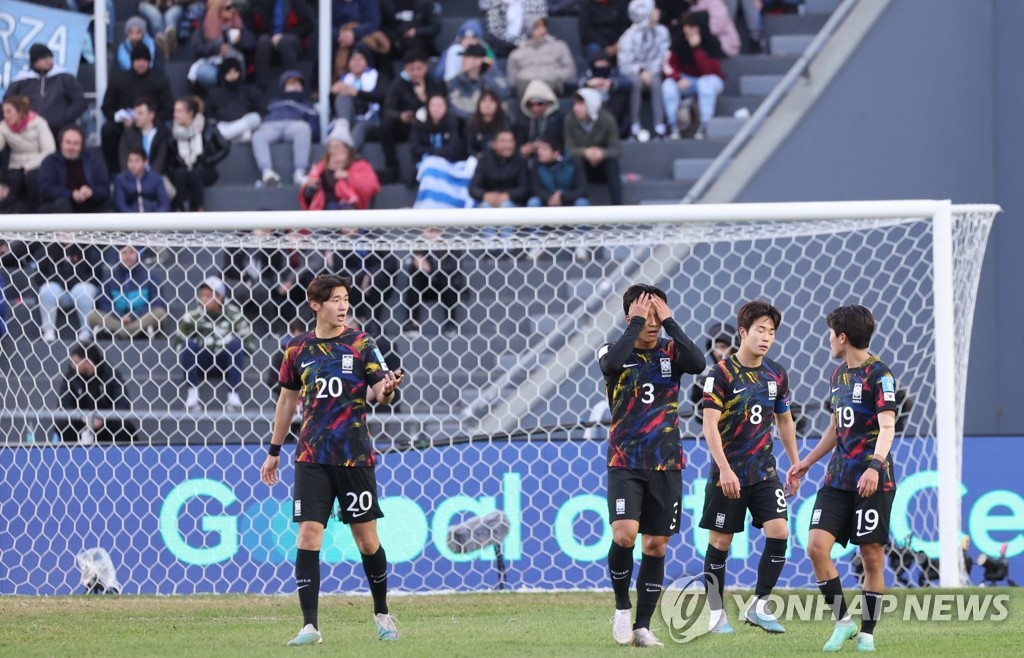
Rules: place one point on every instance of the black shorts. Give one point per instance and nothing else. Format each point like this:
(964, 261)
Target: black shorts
(765, 500)
(317, 486)
(848, 517)
(653, 498)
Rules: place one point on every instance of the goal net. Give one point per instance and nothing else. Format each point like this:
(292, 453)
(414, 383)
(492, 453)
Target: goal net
(496, 316)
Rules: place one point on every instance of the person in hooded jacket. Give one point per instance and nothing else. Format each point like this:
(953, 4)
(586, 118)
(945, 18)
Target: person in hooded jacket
(591, 135)
(643, 49)
(129, 303)
(55, 94)
(234, 104)
(539, 116)
(290, 118)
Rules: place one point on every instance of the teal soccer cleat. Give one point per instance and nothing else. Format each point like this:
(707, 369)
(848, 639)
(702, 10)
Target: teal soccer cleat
(386, 629)
(865, 642)
(763, 620)
(844, 631)
(308, 635)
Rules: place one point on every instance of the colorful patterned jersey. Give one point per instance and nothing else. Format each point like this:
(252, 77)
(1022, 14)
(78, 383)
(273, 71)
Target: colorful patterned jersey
(856, 397)
(748, 398)
(332, 375)
(644, 402)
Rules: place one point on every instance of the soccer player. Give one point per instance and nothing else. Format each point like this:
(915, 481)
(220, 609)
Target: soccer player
(645, 453)
(332, 367)
(745, 395)
(856, 498)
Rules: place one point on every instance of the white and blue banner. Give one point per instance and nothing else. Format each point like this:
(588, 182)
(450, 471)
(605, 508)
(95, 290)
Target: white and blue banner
(23, 24)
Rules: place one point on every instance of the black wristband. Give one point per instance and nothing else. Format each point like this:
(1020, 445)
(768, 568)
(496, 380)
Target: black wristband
(877, 465)
(274, 450)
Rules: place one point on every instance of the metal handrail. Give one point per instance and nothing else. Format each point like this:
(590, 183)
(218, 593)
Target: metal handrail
(759, 116)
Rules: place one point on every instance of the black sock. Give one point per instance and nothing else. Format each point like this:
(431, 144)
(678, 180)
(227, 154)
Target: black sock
(376, 568)
(832, 590)
(620, 567)
(649, 581)
(768, 569)
(307, 581)
(870, 612)
(714, 572)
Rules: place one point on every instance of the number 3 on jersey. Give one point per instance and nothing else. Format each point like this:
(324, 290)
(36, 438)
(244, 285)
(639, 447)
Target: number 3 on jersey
(647, 396)
(328, 387)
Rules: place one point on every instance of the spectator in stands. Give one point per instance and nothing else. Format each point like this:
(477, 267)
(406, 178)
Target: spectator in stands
(438, 133)
(55, 94)
(69, 275)
(643, 49)
(341, 180)
(214, 336)
(693, 70)
(488, 119)
(358, 95)
(411, 25)
(541, 56)
(72, 179)
(139, 189)
(720, 344)
(502, 178)
(719, 24)
(29, 138)
(129, 304)
(615, 88)
(163, 17)
(601, 23)
(126, 88)
(284, 29)
(222, 35)
(290, 118)
(539, 117)
(752, 17)
(90, 384)
(591, 134)
(405, 96)
(197, 148)
(135, 32)
(509, 21)
(87, 7)
(352, 22)
(449, 64)
(464, 89)
(555, 179)
(236, 106)
(435, 276)
(145, 133)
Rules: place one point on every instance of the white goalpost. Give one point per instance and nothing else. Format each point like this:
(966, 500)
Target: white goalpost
(497, 316)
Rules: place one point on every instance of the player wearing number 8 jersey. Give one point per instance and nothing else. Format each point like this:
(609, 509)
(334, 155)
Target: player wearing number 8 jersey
(333, 368)
(745, 396)
(855, 501)
(645, 453)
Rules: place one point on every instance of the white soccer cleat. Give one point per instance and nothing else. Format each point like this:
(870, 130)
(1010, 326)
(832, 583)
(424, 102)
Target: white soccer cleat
(308, 635)
(643, 637)
(622, 627)
(719, 623)
(386, 629)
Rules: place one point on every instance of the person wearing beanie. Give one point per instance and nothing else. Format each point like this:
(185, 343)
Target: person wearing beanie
(358, 95)
(125, 88)
(134, 34)
(53, 93)
(290, 118)
(236, 105)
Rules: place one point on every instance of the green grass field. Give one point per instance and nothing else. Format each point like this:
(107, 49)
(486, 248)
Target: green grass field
(472, 625)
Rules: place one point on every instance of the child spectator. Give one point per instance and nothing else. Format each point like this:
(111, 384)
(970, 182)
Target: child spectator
(341, 180)
(129, 304)
(556, 180)
(502, 179)
(488, 119)
(591, 134)
(643, 49)
(291, 117)
(358, 95)
(198, 147)
(135, 32)
(138, 189)
(55, 94)
(91, 384)
(30, 141)
(72, 179)
(234, 104)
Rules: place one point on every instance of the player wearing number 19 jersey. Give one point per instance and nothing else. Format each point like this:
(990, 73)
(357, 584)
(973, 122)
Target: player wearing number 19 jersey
(746, 396)
(856, 498)
(645, 453)
(333, 368)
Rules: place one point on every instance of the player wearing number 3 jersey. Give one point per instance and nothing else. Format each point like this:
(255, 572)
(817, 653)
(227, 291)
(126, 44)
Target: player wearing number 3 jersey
(746, 396)
(645, 453)
(333, 368)
(855, 501)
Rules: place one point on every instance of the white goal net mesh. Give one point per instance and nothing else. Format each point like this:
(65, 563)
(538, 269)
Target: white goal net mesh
(503, 408)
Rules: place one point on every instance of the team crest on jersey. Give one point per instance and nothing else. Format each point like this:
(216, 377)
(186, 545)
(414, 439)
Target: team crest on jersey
(346, 363)
(666, 366)
(888, 388)
(720, 520)
(858, 392)
(773, 390)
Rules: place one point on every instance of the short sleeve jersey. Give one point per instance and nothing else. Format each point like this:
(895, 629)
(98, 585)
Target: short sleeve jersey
(332, 375)
(644, 402)
(856, 397)
(748, 398)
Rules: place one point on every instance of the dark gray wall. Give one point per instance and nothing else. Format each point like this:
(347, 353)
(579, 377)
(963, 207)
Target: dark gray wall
(930, 107)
